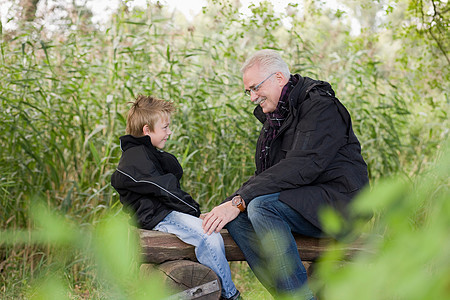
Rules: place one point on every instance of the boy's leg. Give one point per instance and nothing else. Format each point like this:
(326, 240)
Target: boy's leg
(209, 249)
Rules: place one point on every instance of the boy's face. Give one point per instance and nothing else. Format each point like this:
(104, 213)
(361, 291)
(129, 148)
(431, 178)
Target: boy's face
(160, 133)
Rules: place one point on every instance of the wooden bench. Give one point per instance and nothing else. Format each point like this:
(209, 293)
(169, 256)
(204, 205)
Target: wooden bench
(177, 261)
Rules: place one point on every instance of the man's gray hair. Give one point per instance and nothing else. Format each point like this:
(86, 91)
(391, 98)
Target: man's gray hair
(269, 61)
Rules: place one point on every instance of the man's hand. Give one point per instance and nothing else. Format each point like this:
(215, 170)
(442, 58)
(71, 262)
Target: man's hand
(219, 216)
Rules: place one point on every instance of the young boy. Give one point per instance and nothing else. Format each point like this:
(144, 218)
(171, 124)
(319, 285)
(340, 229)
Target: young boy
(148, 182)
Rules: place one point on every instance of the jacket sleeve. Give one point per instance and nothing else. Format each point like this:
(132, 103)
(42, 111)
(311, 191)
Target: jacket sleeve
(318, 136)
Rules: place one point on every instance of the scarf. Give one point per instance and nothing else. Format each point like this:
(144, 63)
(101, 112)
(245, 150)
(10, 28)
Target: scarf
(274, 121)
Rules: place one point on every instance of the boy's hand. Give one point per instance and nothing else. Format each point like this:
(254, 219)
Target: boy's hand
(202, 216)
(219, 216)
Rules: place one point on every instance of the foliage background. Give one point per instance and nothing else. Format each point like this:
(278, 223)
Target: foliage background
(64, 92)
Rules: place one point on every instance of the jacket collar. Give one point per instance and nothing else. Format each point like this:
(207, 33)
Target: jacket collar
(297, 95)
(304, 86)
(130, 141)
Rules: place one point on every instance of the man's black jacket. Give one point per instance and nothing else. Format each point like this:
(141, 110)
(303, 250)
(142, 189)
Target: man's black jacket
(315, 159)
(148, 182)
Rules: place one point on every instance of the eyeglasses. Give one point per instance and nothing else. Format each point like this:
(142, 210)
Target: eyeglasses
(257, 87)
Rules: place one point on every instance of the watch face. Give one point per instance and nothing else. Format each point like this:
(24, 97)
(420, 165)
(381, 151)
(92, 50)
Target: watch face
(236, 201)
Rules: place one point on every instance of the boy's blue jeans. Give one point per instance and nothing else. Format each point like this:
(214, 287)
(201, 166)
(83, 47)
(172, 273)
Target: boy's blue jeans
(209, 249)
(264, 234)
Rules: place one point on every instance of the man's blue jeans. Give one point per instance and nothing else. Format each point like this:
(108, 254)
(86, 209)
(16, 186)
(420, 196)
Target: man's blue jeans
(209, 249)
(264, 234)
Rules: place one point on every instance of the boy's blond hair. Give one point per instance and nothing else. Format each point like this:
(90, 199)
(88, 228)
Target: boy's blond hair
(147, 110)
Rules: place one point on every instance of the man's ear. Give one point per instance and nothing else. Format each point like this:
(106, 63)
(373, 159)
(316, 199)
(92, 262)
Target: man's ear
(281, 79)
(146, 130)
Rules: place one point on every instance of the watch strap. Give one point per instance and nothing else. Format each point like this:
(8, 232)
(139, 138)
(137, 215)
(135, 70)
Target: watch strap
(237, 201)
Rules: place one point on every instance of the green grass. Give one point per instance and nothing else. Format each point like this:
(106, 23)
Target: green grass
(64, 94)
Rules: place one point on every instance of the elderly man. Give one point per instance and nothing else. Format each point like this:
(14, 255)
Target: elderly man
(307, 158)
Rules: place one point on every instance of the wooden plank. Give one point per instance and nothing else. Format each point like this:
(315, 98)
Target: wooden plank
(158, 247)
(206, 291)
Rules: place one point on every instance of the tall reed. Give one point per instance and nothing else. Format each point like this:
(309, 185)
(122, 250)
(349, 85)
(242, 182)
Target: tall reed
(64, 95)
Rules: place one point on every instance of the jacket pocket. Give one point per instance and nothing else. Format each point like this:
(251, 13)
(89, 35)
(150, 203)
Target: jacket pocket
(303, 137)
(286, 144)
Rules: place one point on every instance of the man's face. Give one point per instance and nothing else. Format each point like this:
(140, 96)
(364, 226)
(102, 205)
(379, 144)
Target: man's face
(268, 93)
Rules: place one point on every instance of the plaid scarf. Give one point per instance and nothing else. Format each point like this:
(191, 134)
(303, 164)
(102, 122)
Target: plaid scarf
(274, 121)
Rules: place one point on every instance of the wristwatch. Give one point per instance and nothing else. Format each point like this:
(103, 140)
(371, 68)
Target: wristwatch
(238, 202)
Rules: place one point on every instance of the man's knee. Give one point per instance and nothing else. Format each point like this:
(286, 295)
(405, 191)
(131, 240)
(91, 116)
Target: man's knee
(253, 209)
(262, 206)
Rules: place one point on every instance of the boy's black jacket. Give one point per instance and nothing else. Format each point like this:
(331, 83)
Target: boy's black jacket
(148, 182)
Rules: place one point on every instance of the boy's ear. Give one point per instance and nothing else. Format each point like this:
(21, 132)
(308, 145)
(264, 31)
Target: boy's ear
(146, 129)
